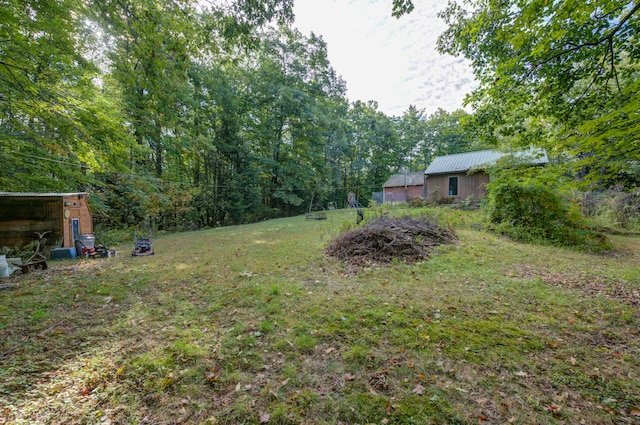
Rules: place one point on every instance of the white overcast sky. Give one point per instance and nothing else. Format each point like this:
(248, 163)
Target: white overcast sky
(389, 60)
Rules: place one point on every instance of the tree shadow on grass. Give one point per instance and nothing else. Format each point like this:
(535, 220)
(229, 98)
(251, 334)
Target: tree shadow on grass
(81, 346)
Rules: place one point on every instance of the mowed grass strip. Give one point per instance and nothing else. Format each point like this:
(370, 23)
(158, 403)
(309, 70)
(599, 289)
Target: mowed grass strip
(253, 324)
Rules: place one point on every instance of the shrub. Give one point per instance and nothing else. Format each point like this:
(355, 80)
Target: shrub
(530, 204)
(416, 202)
(535, 211)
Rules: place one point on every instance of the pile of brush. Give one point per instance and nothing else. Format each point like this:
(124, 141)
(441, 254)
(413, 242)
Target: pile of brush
(407, 239)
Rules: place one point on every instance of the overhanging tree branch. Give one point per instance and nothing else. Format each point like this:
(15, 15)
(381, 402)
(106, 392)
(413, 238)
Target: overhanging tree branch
(606, 37)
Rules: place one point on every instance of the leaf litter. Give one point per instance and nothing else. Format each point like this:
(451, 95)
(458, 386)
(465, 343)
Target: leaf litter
(609, 288)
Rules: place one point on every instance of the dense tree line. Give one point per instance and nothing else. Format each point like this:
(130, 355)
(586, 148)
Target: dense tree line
(192, 115)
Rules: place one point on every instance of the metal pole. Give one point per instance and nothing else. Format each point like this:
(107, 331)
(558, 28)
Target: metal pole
(406, 193)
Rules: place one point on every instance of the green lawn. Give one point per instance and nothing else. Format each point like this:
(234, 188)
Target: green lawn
(253, 324)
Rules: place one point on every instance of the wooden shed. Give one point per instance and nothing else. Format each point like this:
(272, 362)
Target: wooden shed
(65, 215)
(463, 176)
(404, 186)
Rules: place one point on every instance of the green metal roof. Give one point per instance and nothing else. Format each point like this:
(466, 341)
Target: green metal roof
(463, 162)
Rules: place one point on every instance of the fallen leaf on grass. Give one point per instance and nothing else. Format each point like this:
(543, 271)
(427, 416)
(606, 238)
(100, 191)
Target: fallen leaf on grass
(212, 375)
(418, 389)
(555, 409)
(634, 411)
(264, 417)
(521, 374)
(349, 377)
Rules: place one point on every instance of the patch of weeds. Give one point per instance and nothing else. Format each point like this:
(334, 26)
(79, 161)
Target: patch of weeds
(304, 401)
(240, 412)
(241, 352)
(153, 371)
(232, 376)
(40, 315)
(424, 409)
(483, 341)
(305, 342)
(266, 326)
(357, 354)
(273, 307)
(363, 408)
(283, 414)
(283, 345)
(289, 370)
(409, 337)
(186, 350)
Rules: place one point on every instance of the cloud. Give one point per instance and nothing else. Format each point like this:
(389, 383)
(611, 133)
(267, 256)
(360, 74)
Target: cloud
(392, 61)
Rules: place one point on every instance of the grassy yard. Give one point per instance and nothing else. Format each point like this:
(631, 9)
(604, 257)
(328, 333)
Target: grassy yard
(253, 324)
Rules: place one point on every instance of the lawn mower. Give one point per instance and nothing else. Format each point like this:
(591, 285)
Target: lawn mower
(142, 244)
(86, 247)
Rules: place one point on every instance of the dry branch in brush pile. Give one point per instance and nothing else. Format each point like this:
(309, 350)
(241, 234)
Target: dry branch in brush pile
(407, 239)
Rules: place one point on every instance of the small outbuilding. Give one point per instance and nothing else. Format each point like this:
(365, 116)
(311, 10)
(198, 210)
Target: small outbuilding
(464, 175)
(65, 215)
(404, 186)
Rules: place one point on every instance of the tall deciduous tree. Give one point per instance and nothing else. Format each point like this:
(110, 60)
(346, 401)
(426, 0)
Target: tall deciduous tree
(441, 133)
(153, 45)
(55, 120)
(292, 90)
(375, 151)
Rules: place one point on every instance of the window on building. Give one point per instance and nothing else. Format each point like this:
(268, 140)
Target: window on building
(75, 228)
(453, 186)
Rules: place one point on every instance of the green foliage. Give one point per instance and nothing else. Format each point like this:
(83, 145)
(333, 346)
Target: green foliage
(192, 115)
(401, 7)
(532, 210)
(441, 133)
(563, 75)
(529, 204)
(55, 122)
